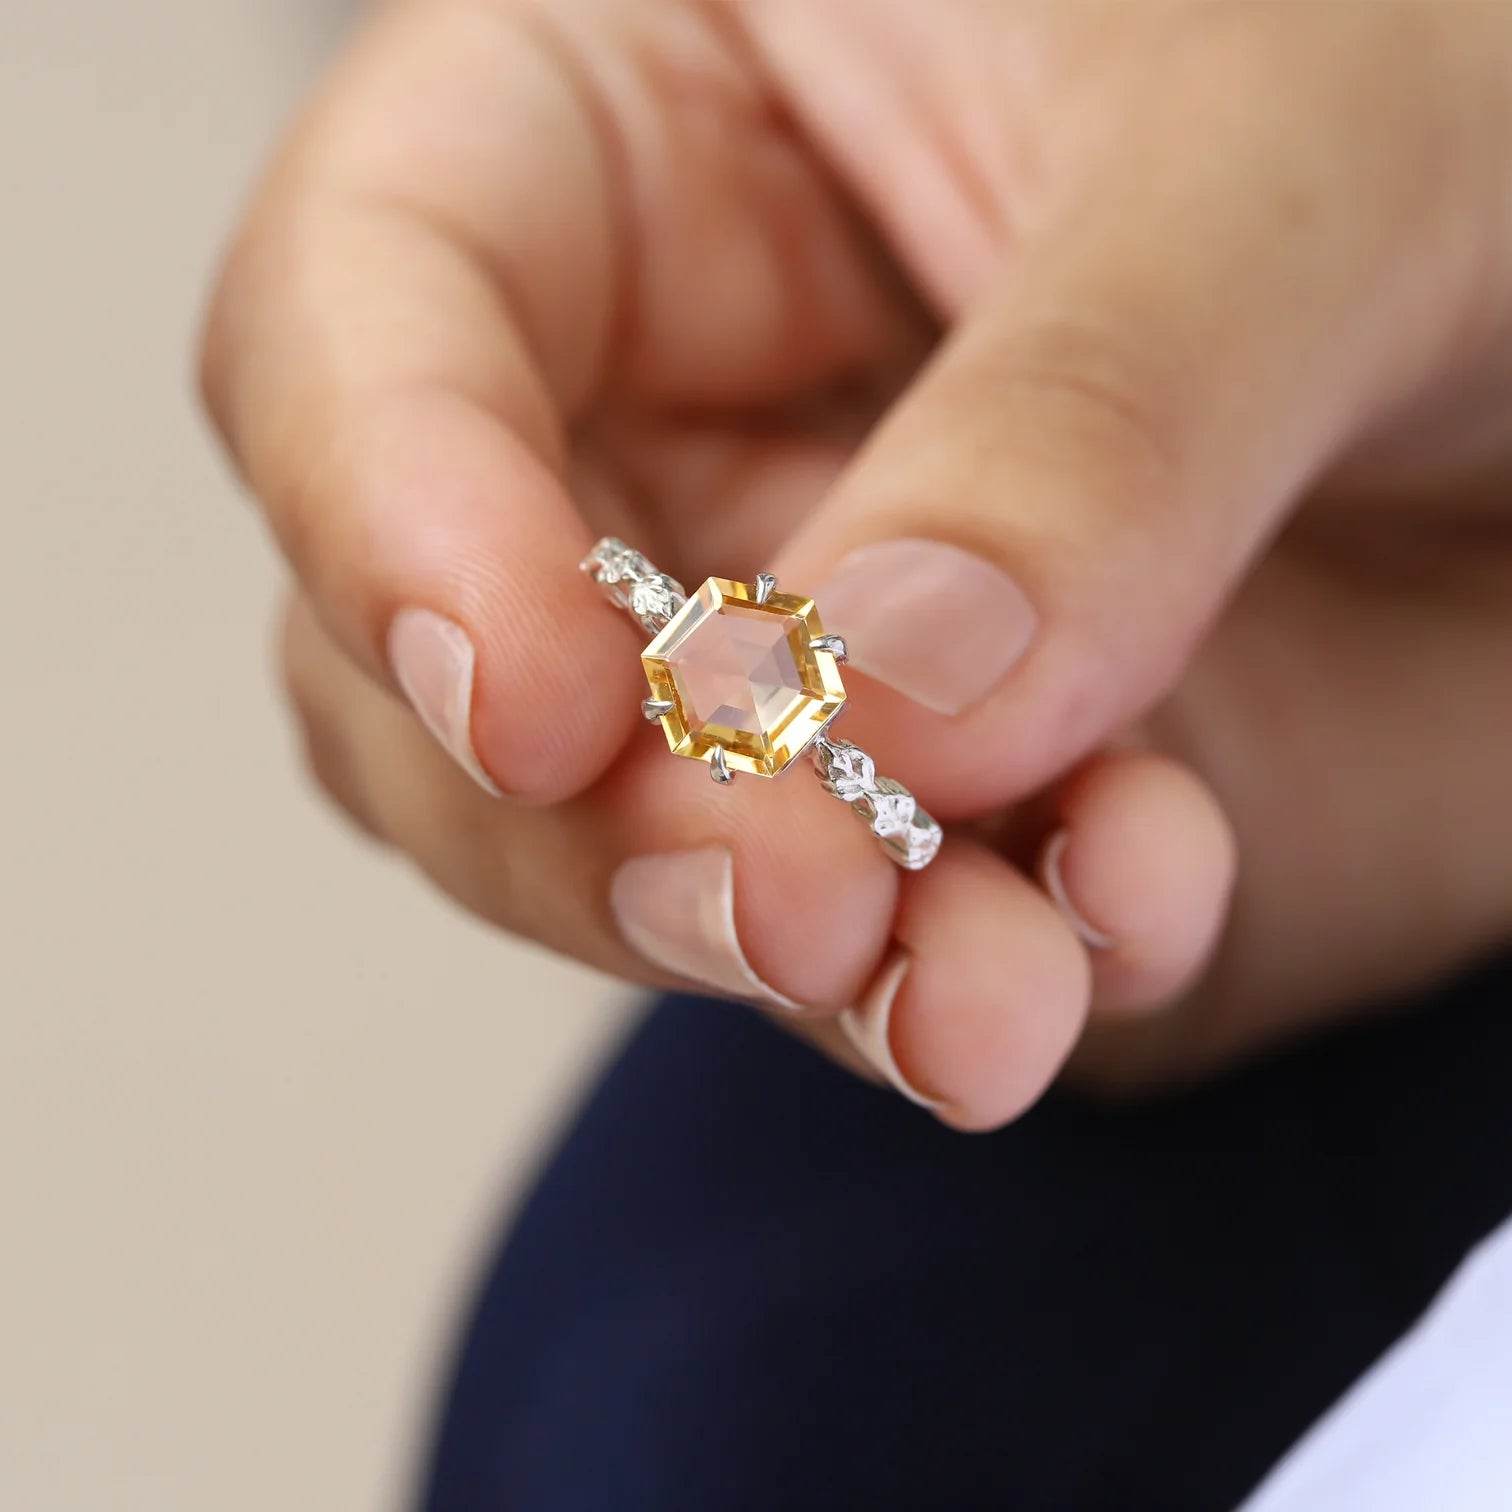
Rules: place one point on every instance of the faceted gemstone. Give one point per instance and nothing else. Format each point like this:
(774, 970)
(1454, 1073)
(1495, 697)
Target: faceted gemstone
(743, 677)
(739, 670)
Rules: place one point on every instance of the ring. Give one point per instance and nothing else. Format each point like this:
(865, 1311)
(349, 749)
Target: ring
(744, 678)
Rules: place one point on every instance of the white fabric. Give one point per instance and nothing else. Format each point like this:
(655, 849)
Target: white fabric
(1429, 1428)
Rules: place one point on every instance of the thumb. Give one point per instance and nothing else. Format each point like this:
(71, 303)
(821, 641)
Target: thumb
(1034, 539)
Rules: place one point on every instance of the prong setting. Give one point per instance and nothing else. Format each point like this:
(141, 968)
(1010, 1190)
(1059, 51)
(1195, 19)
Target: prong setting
(746, 733)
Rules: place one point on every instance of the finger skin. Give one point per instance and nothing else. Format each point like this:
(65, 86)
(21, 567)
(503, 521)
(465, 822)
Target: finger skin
(372, 759)
(538, 872)
(382, 394)
(492, 215)
(1139, 391)
(813, 896)
(996, 987)
(306, 659)
(996, 991)
(1144, 863)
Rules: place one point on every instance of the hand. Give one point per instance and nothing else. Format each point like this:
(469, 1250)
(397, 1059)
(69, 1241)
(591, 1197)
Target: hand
(1131, 385)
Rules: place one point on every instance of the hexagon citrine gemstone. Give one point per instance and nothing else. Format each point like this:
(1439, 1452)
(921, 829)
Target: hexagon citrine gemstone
(743, 677)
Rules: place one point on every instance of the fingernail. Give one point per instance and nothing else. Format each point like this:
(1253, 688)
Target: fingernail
(678, 911)
(1055, 885)
(939, 624)
(433, 661)
(868, 1027)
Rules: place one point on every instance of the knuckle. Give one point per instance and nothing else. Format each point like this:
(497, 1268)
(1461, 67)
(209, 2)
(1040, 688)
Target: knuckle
(1079, 387)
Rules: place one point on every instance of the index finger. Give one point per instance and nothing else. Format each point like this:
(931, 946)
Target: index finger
(418, 301)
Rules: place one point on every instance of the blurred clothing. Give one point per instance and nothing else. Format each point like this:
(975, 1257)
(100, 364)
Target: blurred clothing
(747, 1281)
(1431, 1425)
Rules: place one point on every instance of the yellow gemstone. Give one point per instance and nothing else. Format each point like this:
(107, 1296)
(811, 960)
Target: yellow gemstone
(743, 677)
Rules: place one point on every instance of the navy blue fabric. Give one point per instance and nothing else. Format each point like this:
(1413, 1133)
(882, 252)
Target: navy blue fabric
(749, 1281)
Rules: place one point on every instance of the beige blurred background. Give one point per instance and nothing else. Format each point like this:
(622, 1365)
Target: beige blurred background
(262, 1095)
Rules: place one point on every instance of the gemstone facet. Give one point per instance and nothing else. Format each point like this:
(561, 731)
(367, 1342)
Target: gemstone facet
(743, 676)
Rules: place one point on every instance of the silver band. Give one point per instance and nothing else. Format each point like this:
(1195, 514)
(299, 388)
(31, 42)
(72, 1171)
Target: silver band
(908, 835)
(631, 583)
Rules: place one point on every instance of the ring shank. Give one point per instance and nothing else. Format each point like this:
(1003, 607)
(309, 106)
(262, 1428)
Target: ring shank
(910, 836)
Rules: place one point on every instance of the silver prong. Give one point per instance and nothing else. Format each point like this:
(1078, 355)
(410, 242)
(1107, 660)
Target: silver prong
(719, 769)
(653, 708)
(834, 644)
(765, 582)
